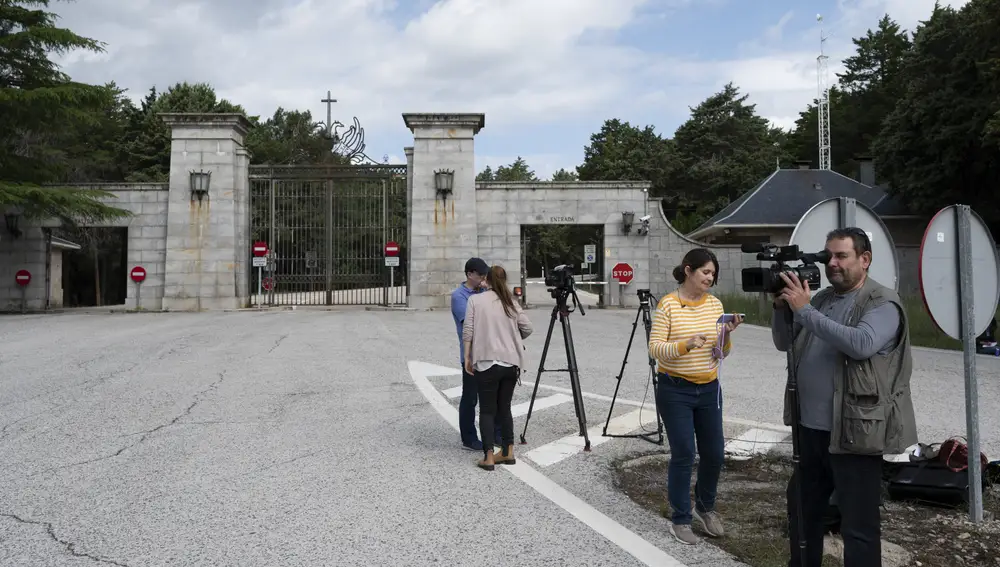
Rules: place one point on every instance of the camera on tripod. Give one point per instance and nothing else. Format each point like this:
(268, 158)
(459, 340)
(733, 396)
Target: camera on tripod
(560, 279)
(768, 280)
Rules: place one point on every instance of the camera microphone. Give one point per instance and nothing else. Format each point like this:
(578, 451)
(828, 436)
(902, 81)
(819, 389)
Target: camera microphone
(751, 247)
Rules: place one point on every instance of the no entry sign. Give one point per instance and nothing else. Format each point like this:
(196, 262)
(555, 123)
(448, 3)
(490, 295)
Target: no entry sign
(138, 274)
(260, 248)
(391, 249)
(22, 277)
(622, 272)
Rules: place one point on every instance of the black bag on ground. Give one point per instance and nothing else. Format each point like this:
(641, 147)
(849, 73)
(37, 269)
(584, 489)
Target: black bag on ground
(929, 481)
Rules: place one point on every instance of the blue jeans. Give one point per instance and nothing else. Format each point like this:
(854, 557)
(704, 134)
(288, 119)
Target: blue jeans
(691, 412)
(467, 411)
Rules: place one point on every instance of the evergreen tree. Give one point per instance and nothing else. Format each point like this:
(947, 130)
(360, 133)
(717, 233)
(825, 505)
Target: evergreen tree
(38, 105)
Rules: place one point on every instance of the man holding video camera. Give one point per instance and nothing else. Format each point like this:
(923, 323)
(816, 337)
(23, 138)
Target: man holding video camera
(853, 363)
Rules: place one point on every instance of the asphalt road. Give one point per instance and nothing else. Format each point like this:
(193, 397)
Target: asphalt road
(303, 438)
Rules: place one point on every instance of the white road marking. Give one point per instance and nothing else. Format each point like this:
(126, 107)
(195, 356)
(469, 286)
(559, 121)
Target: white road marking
(540, 404)
(457, 391)
(754, 441)
(551, 453)
(616, 533)
(589, 395)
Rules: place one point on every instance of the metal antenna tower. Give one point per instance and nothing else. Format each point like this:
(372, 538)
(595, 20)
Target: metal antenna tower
(823, 96)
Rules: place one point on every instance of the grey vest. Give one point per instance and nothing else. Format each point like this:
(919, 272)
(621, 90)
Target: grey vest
(872, 407)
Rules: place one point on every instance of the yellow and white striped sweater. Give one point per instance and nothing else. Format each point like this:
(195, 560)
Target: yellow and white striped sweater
(674, 321)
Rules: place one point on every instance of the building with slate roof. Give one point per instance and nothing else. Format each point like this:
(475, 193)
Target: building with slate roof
(769, 212)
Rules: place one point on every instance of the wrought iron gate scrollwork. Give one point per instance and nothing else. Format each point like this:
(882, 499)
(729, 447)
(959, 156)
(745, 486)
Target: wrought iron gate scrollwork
(326, 227)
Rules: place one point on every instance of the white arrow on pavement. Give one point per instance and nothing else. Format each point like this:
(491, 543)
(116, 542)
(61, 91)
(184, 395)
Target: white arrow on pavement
(616, 533)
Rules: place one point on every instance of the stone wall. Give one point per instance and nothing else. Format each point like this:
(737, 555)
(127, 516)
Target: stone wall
(442, 228)
(503, 207)
(208, 239)
(147, 237)
(146, 247)
(667, 248)
(27, 252)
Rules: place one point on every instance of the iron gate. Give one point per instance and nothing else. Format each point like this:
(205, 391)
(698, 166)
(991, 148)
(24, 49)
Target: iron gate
(326, 229)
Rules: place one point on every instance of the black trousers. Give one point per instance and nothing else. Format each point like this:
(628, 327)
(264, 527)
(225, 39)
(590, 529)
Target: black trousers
(496, 390)
(858, 482)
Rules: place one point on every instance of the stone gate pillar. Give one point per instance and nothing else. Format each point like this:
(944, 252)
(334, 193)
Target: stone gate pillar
(442, 226)
(208, 237)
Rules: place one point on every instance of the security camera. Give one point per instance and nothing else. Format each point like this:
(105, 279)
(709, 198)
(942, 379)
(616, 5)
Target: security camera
(644, 218)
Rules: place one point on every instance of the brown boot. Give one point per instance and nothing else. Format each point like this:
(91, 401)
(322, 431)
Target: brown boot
(488, 460)
(505, 456)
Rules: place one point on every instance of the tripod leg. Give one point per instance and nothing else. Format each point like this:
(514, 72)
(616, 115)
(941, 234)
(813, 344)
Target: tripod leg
(794, 403)
(538, 377)
(574, 377)
(648, 324)
(635, 325)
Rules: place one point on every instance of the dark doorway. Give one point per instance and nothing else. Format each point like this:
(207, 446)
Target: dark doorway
(544, 247)
(96, 274)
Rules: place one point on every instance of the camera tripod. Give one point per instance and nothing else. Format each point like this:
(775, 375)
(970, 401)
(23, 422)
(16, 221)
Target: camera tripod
(793, 401)
(561, 309)
(643, 311)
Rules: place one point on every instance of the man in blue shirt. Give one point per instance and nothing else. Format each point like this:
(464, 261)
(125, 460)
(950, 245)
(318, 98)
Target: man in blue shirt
(475, 281)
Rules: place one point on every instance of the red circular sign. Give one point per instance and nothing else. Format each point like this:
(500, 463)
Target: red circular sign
(260, 248)
(138, 274)
(22, 277)
(391, 249)
(622, 272)
(268, 283)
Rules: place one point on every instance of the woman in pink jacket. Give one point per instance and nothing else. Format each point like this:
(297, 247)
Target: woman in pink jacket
(493, 332)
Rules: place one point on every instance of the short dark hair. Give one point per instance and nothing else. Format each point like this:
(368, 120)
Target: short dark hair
(859, 238)
(695, 259)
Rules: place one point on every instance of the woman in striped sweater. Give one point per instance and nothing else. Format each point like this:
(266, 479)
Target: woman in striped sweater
(688, 343)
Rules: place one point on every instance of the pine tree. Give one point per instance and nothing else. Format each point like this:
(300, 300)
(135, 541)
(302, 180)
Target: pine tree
(38, 104)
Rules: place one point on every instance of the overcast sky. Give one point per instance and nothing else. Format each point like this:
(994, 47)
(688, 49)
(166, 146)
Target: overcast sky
(547, 73)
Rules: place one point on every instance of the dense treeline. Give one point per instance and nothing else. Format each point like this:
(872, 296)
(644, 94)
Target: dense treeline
(925, 105)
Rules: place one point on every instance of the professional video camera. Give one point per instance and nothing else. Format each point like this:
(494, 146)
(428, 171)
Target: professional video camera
(767, 279)
(560, 279)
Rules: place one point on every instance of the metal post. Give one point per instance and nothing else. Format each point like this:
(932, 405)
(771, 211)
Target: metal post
(260, 284)
(329, 241)
(271, 240)
(965, 294)
(385, 238)
(24, 299)
(848, 212)
(138, 296)
(524, 269)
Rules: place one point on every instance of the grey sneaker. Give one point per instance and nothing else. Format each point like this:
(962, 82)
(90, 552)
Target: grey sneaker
(710, 522)
(683, 534)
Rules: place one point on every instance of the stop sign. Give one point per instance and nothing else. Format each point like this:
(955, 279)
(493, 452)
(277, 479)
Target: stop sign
(138, 274)
(260, 248)
(622, 272)
(22, 277)
(391, 249)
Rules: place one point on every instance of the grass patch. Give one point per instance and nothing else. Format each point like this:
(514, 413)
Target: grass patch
(752, 504)
(923, 332)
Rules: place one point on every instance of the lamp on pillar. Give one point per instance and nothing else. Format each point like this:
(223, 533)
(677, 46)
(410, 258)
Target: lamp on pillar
(11, 218)
(199, 184)
(444, 181)
(628, 217)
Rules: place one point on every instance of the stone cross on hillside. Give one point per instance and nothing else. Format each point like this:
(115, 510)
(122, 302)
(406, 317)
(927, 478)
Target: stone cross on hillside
(329, 100)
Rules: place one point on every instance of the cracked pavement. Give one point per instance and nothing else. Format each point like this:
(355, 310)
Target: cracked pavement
(298, 438)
